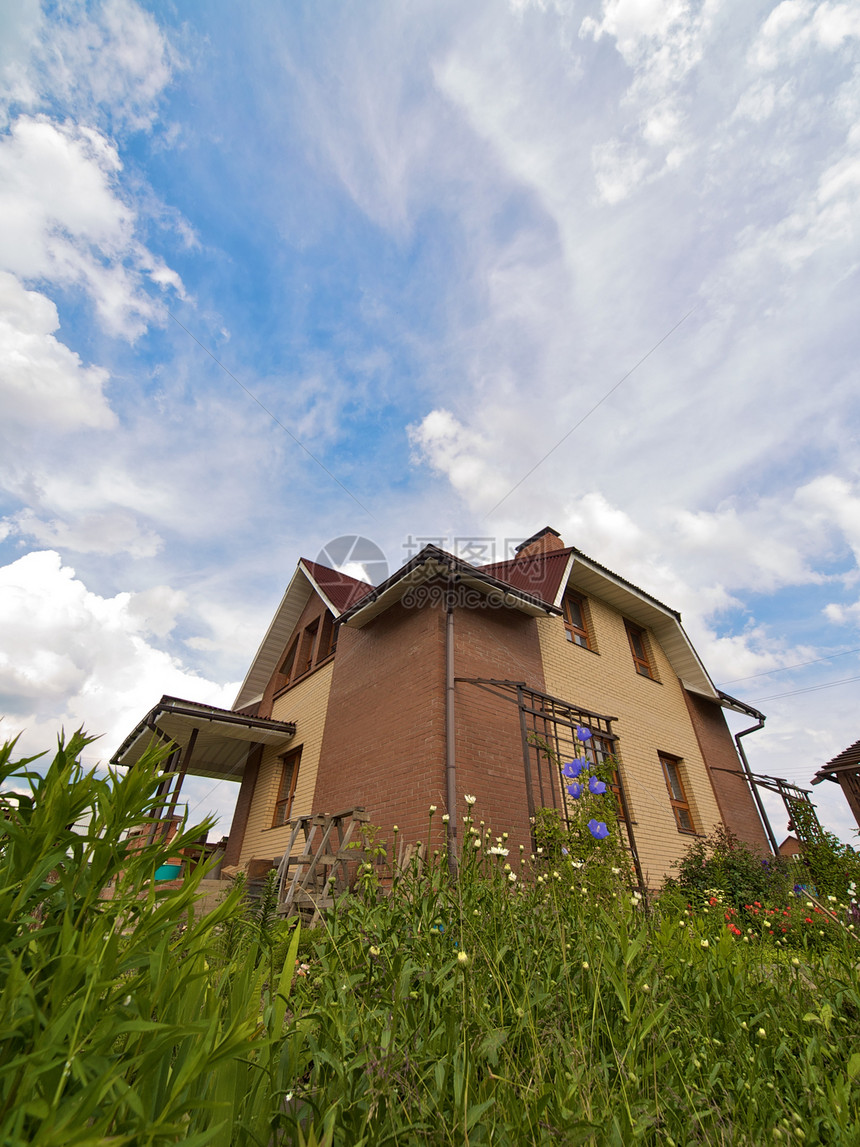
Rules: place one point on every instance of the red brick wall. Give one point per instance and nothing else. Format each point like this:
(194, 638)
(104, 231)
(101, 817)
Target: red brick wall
(384, 740)
(736, 803)
(384, 743)
(500, 644)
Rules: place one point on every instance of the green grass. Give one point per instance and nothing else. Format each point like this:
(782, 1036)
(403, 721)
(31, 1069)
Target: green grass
(547, 1009)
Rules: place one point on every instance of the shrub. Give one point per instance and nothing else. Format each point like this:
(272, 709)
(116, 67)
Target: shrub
(722, 862)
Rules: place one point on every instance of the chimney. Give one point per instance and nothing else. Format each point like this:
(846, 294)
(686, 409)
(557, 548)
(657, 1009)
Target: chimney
(545, 541)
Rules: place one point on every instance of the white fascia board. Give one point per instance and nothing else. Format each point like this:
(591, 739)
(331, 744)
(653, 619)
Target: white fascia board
(282, 625)
(562, 585)
(315, 585)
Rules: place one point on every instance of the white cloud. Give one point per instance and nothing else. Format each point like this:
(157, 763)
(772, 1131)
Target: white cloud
(636, 25)
(42, 382)
(794, 27)
(105, 532)
(71, 657)
(62, 219)
(461, 454)
(831, 502)
(107, 60)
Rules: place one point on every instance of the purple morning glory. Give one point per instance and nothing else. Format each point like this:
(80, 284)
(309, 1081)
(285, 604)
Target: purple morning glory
(583, 734)
(572, 769)
(595, 786)
(598, 829)
(575, 790)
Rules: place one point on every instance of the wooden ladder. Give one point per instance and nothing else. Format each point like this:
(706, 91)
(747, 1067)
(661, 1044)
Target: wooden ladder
(313, 879)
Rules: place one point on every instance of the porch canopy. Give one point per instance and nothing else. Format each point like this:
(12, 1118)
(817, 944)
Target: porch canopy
(213, 742)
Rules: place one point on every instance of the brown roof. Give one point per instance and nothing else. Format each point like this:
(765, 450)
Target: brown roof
(342, 590)
(537, 574)
(845, 761)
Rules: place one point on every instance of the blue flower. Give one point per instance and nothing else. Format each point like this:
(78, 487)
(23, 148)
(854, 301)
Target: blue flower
(598, 829)
(575, 790)
(583, 734)
(595, 786)
(572, 769)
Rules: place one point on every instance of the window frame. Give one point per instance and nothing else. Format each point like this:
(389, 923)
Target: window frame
(680, 805)
(643, 662)
(577, 634)
(290, 764)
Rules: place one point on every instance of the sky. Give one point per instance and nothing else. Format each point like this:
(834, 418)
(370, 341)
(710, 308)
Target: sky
(279, 273)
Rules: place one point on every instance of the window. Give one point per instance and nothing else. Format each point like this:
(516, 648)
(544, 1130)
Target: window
(290, 660)
(639, 648)
(308, 649)
(327, 635)
(574, 613)
(677, 796)
(287, 787)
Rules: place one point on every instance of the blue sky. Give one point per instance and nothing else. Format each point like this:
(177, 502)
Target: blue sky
(429, 239)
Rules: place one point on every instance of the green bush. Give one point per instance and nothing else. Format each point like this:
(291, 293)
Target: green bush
(721, 862)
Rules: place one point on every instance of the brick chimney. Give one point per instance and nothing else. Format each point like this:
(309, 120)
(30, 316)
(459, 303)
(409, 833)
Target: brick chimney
(543, 542)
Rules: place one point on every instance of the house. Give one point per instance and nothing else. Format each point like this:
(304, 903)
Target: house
(450, 678)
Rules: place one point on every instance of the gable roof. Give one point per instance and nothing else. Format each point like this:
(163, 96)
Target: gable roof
(532, 583)
(538, 574)
(337, 590)
(432, 563)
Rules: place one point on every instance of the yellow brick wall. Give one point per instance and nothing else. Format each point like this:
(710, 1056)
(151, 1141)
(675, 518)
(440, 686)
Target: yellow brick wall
(652, 718)
(306, 704)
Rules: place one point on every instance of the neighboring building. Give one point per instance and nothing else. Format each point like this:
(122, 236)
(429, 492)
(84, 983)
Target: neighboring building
(791, 846)
(449, 677)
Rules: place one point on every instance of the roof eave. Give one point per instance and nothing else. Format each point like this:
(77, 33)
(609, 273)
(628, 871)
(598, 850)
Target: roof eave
(277, 635)
(431, 563)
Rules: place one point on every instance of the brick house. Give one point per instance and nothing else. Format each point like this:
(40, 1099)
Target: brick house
(449, 678)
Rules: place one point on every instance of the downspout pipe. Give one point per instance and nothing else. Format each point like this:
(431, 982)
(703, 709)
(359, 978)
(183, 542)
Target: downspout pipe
(450, 755)
(753, 786)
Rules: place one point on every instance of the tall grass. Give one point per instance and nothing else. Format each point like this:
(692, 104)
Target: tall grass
(547, 1008)
(114, 1025)
(553, 1009)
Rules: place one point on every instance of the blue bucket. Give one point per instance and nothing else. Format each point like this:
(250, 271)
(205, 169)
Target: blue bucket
(168, 871)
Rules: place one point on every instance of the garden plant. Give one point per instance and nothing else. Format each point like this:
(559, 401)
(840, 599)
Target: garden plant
(535, 999)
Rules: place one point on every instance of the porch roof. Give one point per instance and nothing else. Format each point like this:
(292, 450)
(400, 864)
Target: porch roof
(223, 739)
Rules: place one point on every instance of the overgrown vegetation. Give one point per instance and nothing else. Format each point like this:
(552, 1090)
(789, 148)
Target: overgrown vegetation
(534, 1001)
